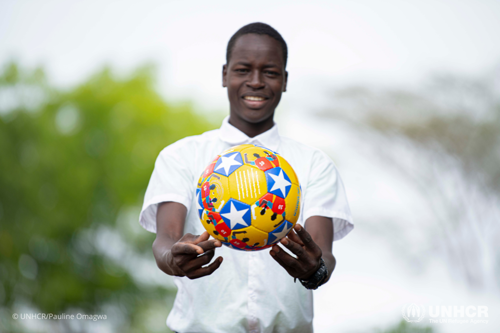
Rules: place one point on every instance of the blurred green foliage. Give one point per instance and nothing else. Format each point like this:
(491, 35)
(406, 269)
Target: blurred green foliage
(74, 167)
(405, 327)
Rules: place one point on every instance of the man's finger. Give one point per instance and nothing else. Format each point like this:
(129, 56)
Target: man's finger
(276, 256)
(293, 236)
(296, 249)
(201, 238)
(286, 260)
(209, 244)
(198, 262)
(186, 248)
(306, 237)
(203, 271)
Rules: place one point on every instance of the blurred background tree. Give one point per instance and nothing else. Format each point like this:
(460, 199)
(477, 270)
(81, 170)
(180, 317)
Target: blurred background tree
(74, 167)
(443, 136)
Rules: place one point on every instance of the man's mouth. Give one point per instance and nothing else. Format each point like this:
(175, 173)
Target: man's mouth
(254, 98)
(254, 102)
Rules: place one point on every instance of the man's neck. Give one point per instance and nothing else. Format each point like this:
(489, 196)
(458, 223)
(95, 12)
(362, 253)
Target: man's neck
(252, 129)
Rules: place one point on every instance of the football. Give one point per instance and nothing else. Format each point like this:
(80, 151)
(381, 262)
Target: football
(248, 197)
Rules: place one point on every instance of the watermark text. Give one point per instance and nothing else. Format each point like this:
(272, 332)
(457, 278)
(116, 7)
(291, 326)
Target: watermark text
(60, 316)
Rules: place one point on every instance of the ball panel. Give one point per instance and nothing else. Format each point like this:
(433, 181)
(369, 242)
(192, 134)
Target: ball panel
(287, 168)
(210, 221)
(261, 158)
(222, 229)
(281, 231)
(249, 236)
(278, 182)
(228, 163)
(247, 184)
(236, 214)
(249, 239)
(199, 202)
(215, 192)
(233, 247)
(248, 247)
(292, 204)
(268, 212)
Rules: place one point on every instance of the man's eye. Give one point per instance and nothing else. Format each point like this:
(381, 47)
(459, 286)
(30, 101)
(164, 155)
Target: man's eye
(241, 70)
(272, 73)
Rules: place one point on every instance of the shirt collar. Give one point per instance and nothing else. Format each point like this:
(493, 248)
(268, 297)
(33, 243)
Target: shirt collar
(233, 136)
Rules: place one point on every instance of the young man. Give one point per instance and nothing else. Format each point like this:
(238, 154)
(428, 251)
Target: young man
(254, 291)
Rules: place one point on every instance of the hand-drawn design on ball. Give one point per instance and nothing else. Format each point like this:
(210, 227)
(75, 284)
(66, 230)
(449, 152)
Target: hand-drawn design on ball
(213, 195)
(264, 163)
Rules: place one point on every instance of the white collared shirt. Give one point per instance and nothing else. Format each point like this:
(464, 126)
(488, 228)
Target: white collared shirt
(250, 292)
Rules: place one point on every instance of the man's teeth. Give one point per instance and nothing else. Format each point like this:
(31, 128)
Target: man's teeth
(253, 98)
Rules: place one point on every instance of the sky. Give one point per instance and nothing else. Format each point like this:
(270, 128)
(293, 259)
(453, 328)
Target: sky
(332, 44)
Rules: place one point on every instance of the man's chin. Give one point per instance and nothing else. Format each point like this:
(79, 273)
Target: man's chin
(255, 116)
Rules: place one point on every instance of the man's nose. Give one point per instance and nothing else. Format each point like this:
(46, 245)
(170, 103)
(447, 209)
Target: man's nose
(256, 80)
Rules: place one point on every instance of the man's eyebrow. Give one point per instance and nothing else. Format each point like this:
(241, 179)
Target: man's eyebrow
(271, 66)
(243, 63)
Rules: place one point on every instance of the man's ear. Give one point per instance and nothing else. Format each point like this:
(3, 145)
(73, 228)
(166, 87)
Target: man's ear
(286, 80)
(224, 76)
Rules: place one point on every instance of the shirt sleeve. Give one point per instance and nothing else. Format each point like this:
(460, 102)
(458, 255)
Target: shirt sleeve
(171, 180)
(325, 195)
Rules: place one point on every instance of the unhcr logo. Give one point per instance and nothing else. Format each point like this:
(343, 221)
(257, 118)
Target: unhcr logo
(413, 313)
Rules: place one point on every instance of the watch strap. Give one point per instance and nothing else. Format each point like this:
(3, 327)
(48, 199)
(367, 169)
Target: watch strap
(318, 278)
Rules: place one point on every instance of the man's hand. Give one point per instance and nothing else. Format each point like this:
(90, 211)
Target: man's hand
(188, 256)
(178, 254)
(308, 253)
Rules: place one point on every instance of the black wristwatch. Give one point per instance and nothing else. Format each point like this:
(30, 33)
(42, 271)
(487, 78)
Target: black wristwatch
(318, 278)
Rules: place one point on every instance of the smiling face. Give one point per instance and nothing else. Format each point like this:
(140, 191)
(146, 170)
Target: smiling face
(255, 77)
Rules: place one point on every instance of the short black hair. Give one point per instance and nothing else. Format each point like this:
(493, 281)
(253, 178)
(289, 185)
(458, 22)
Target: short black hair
(259, 29)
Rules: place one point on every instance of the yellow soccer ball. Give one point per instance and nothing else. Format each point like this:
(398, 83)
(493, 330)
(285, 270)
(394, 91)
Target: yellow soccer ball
(248, 197)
